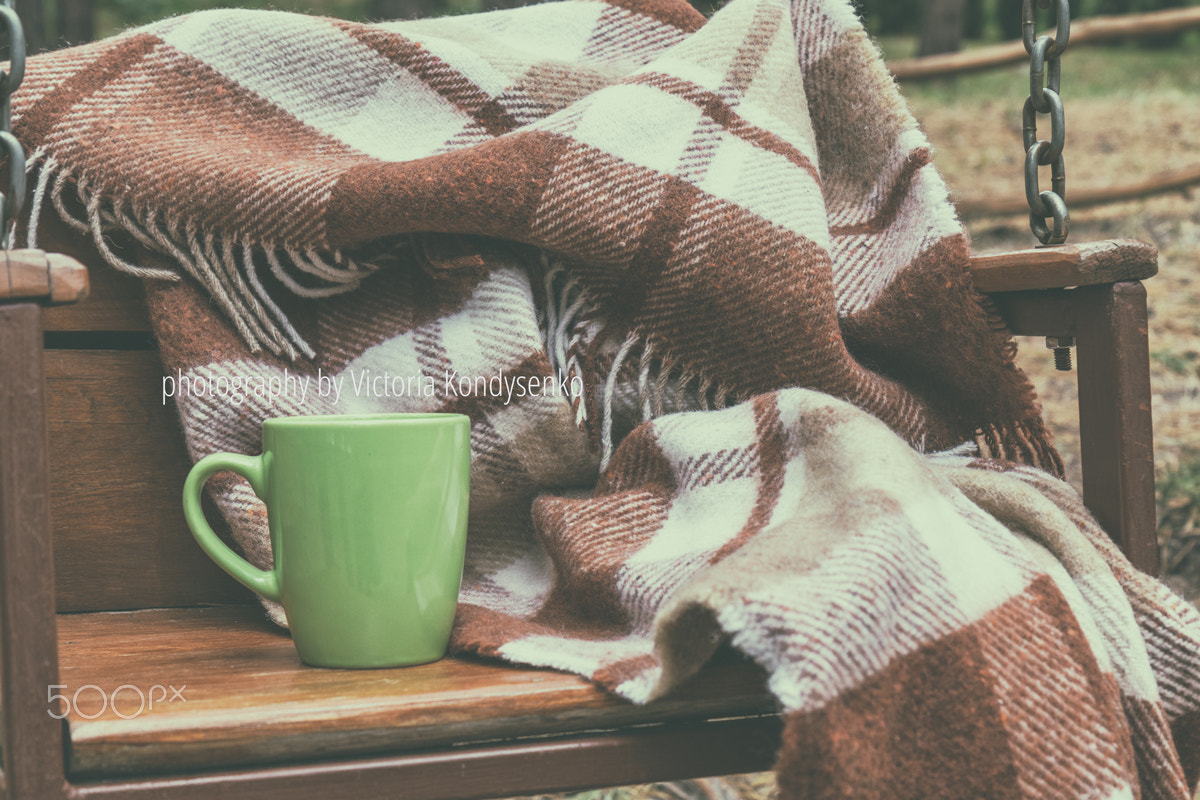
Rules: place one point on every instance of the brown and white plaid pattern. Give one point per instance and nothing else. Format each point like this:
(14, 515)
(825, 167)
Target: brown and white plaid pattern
(620, 239)
(748, 204)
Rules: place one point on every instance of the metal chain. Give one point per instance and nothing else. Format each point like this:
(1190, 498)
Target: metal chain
(13, 199)
(1045, 76)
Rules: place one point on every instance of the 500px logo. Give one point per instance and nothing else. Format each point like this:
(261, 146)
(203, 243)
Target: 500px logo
(133, 700)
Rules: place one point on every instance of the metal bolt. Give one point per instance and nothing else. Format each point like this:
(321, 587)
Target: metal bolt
(1061, 345)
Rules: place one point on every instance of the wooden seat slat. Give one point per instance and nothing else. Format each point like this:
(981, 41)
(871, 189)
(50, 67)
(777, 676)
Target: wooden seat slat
(245, 698)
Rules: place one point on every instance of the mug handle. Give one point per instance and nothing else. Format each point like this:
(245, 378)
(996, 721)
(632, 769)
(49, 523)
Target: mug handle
(265, 583)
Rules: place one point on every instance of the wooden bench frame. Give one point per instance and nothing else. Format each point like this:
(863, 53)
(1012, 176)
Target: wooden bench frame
(1105, 312)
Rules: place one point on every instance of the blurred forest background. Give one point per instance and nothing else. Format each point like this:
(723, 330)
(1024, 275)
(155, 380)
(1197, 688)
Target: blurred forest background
(938, 25)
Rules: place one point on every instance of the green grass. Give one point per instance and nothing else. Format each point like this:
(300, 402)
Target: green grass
(1179, 363)
(1178, 493)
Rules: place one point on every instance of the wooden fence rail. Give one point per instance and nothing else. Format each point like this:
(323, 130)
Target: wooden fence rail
(1176, 180)
(1084, 31)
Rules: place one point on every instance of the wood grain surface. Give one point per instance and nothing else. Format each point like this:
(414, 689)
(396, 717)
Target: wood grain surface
(1064, 266)
(1115, 427)
(531, 766)
(30, 741)
(44, 277)
(118, 462)
(244, 697)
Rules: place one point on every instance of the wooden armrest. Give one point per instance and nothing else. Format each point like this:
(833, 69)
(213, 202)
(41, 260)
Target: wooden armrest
(1066, 265)
(35, 275)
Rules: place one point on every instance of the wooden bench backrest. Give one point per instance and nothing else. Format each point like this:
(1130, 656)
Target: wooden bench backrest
(117, 458)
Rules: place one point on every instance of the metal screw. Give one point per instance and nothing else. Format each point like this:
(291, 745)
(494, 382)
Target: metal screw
(1061, 345)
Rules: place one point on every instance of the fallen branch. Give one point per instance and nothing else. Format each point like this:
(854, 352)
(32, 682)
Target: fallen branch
(1085, 31)
(1178, 180)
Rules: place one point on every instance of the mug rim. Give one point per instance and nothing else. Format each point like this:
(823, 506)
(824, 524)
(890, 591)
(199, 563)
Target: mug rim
(366, 419)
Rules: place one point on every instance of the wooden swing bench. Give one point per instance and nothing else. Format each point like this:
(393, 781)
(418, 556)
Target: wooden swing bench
(172, 682)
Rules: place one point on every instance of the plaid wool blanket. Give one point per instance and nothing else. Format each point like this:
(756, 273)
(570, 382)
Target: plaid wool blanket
(700, 289)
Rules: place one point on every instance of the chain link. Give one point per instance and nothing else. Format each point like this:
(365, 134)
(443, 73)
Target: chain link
(1045, 79)
(13, 198)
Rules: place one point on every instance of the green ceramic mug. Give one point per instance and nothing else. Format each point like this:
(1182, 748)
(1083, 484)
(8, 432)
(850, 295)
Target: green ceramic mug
(368, 521)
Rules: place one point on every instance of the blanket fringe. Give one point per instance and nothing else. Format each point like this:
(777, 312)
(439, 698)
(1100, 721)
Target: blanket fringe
(232, 281)
(39, 192)
(610, 386)
(1027, 441)
(1019, 442)
(636, 373)
(568, 322)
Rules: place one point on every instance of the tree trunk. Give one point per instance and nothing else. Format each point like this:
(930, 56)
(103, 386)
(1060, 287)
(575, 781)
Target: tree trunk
(974, 22)
(33, 21)
(76, 22)
(1008, 19)
(943, 29)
